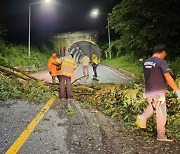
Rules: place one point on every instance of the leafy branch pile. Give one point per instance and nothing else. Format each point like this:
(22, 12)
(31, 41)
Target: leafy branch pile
(15, 84)
(11, 88)
(126, 101)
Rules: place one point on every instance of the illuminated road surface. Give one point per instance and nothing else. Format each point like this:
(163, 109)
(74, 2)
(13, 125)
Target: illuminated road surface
(105, 75)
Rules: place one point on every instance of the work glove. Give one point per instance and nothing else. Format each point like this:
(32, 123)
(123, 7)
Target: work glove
(178, 94)
(50, 72)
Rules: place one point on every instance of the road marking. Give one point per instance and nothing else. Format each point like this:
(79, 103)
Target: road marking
(115, 73)
(16, 146)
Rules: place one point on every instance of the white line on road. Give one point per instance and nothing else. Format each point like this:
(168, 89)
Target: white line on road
(115, 73)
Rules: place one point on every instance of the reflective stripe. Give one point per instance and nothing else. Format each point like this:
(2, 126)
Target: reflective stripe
(68, 67)
(69, 60)
(69, 64)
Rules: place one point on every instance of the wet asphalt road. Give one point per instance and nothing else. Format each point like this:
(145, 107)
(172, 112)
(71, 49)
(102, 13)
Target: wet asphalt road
(105, 75)
(14, 117)
(68, 128)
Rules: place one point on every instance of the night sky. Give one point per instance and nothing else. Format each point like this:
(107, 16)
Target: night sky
(65, 16)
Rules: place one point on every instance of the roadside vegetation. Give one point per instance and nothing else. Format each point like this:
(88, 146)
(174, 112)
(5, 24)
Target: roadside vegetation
(134, 65)
(138, 29)
(17, 54)
(127, 63)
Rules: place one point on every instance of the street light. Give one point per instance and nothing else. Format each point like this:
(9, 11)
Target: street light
(47, 1)
(94, 14)
(29, 38)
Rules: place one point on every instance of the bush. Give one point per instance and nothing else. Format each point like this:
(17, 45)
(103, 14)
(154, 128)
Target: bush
(18, 56)
(175, 67)
(117, 49)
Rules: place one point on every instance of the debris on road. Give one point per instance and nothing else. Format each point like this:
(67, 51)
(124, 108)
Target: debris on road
(90, 131)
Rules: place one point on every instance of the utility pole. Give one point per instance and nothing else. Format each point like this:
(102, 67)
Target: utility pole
(109, 37)
(29, 38)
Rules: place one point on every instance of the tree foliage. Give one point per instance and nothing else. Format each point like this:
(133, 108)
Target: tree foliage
(144, 23)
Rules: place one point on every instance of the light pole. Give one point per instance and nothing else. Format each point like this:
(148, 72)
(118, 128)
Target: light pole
(29, 34)
(94, 14)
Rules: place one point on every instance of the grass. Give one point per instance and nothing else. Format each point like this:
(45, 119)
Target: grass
(17, 55)
(127, 63)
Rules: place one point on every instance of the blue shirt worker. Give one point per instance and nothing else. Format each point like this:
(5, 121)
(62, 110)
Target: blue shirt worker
(157, 74)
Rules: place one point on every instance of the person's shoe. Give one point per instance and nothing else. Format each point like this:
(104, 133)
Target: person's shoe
(165, 139)
(95, 79)
(141, 122)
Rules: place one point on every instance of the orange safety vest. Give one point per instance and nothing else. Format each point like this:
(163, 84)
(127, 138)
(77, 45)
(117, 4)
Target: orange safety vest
(52, 66)
(68, 66)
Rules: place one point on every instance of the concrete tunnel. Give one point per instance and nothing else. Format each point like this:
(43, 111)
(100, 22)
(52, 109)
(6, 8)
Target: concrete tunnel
(80, 48)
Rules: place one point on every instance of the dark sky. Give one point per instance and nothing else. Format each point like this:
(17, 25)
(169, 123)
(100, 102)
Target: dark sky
(68, 15)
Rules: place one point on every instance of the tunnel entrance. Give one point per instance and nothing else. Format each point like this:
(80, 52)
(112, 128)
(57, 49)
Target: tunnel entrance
(78, 43)
(81, 48)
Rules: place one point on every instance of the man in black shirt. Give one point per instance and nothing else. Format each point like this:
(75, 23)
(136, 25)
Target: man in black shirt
(156, 74)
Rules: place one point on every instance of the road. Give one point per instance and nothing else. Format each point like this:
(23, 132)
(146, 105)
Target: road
(69, 128)
(105, 75)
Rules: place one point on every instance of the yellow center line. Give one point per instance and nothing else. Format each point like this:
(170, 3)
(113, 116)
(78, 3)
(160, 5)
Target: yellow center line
(16, 146)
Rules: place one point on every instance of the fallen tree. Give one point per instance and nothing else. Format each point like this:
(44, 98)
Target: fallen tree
(117, 100)
(19, 74)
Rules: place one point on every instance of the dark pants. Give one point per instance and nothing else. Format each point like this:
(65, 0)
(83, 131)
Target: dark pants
(95, 69)
(54, 79)
(67, 80)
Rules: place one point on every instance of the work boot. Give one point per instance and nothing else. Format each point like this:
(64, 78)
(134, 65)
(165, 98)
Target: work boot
(140, 121)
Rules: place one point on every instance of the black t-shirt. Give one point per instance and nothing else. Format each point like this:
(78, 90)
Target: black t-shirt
(154, 70)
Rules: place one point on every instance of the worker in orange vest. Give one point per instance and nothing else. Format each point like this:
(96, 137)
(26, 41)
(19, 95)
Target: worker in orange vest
(68, 68)
(53, 69)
